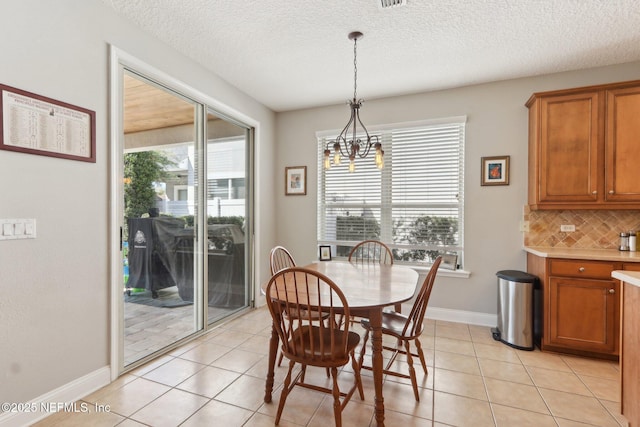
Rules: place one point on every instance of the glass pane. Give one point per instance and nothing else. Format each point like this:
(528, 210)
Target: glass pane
(227, 289)
(159, 207)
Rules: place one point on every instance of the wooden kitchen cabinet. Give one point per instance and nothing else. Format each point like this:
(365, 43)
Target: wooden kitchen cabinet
(630, 355)
(622, 145)
(630, 344)
(582, 146)
(580, 306)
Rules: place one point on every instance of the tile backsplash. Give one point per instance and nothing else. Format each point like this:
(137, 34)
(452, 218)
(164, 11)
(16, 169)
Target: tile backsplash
(595, 229)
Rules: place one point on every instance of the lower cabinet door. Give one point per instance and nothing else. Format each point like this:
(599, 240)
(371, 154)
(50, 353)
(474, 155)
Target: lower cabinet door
(583, 314)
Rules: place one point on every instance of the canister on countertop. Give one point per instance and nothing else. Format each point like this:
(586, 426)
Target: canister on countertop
(632, 241)
(624, 241)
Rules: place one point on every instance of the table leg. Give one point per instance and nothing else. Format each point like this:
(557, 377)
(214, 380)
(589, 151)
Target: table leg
(375, 320)
(273, 350)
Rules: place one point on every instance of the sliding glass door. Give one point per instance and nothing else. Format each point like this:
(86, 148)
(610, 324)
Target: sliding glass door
(185, 240)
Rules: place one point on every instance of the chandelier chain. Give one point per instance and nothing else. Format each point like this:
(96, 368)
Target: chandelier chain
(351, 143)
(355, 70)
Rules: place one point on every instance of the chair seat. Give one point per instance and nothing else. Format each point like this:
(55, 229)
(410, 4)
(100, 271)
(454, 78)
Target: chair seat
(394, 324)
(323, 354)
(306, 315)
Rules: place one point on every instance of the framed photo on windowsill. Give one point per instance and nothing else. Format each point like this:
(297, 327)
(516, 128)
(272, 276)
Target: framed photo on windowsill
(495, 170)
(295, 181)
(325, 253)
(449, 261)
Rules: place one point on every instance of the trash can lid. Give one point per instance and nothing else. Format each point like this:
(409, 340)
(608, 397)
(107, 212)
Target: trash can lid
(516, 276)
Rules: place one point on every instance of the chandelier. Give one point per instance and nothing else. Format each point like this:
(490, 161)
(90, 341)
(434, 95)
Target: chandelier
(352, 143)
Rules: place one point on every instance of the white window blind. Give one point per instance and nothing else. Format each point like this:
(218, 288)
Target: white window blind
(415, 204)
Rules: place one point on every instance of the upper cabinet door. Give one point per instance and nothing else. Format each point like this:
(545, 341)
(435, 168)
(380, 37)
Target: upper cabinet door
(563, 149)
(568, 149)
(623, 145)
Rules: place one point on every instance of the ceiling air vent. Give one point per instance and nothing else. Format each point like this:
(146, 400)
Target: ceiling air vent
(386, 4)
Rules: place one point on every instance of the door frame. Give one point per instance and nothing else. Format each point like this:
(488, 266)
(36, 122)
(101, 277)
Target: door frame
(119, 61)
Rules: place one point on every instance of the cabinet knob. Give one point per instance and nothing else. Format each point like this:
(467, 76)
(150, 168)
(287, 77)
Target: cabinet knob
(611, 192)
(581, 269)
(612, 291)
(594, 192)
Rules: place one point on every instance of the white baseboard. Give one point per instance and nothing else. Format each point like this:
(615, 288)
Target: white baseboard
(460, 316)
(68, 393)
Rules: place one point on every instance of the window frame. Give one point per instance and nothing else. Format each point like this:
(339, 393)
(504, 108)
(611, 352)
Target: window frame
(386, 205)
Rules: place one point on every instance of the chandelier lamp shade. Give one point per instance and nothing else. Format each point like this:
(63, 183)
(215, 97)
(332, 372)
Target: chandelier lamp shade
(352, 142)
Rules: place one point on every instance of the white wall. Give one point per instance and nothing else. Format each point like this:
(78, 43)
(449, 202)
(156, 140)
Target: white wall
(54, 290)
(497, 124)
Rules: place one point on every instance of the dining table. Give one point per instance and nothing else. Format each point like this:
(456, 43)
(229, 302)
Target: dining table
(368, 288)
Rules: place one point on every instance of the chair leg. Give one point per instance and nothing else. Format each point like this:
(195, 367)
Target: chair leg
(356, 372)
(280, 358)
(337, 406)
(363, 348)
(412, 371)
(304, 371)
(421, 356)
(285, 391)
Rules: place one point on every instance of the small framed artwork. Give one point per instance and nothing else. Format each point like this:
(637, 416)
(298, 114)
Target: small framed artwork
(325, 253)
(449, 261)
(495, 170)
(295, 181)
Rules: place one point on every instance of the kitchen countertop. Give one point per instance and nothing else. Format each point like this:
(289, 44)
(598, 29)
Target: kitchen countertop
(630, 277)
(591, 254)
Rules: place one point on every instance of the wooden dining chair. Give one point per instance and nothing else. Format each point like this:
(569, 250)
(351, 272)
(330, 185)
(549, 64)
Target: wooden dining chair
(279, 259)
(405, 329)
(373, 251)
(296, 291)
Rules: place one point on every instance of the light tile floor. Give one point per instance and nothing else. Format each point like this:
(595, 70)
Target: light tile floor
(219, 379)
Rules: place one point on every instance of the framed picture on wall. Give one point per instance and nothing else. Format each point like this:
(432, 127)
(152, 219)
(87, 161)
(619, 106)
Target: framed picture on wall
(495, 170)
(295, 181)
(35, 124)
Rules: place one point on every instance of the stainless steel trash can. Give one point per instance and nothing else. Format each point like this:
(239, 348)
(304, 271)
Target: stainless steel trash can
(515, 309)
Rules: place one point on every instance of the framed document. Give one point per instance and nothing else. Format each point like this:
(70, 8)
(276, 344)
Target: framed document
(35, 124)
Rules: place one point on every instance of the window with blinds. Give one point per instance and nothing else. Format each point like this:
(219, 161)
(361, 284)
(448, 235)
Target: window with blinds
(415, 204)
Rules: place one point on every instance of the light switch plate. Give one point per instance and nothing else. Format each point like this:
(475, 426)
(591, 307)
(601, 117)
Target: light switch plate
(7, 229)
(15, 229)
(567, 228)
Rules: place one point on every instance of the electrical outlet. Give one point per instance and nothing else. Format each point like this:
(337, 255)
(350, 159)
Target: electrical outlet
(524, 226)
(567, 228)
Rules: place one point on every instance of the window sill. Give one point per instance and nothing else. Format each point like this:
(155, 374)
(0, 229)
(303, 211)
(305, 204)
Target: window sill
(460, 274)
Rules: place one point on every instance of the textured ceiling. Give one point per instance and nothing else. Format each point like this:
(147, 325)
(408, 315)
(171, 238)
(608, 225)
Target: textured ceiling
(295, 54)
